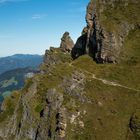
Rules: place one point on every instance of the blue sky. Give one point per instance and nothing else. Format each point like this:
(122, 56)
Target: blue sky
(32, 26)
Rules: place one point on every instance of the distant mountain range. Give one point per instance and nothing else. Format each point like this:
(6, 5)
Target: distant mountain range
(14, 70)
(19, 61)
(13, 80)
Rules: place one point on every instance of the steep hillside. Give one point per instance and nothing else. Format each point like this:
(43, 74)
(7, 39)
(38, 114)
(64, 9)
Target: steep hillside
(81, 99)
(19, 61)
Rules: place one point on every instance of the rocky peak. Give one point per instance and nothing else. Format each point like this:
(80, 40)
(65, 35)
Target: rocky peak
(90, 15)
(66, 43)
(104, 36)
(62, 54)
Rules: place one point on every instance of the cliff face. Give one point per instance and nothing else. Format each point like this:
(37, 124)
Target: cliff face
(108, 24)
(80, 99)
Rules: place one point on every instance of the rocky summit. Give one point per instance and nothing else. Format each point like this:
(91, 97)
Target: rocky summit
(87, 92)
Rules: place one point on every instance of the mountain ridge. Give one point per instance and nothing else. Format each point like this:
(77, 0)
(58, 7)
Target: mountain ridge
(89, 96)
(19, 61)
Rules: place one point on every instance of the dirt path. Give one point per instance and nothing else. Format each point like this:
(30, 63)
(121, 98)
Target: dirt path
(107, 82)
(111, 83)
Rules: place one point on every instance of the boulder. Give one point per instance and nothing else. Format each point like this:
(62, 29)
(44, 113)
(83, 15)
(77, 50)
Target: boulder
(135, 124)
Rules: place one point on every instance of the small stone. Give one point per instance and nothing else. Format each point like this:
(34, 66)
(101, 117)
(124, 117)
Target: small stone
(81, 123)
(100, 104)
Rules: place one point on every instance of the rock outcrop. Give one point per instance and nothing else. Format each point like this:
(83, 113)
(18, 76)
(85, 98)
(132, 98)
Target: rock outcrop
(135, 124)
(104, 36)
(61, 54)
(66, 43)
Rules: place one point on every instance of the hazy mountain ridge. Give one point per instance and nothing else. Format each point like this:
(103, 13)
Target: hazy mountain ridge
(19, 61)
(14, 70)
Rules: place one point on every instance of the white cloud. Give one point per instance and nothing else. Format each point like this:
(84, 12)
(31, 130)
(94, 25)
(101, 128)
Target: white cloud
(39, 16)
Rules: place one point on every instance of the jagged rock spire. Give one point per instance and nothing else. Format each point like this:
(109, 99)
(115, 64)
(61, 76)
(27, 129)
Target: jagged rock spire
(66, 42)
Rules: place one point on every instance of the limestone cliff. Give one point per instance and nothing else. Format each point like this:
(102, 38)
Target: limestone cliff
(108, 24)
(80, 99)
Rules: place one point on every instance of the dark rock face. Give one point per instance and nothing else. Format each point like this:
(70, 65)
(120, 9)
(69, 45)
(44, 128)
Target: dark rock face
(102, 44)
(135, 124)
(79, 48)
(52, 112)
(66, 43)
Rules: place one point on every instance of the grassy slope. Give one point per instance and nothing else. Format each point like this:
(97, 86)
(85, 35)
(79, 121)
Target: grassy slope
(108, 116)
(118, 103)
(111, 106)
(122, 11)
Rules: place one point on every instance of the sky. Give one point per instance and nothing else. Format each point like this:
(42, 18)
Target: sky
(32, 26)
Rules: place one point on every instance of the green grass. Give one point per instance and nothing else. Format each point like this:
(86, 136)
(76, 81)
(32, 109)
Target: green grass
(131, 53)
(9, 106)
(44, 82)
(7, 83)
(27, 85)
(113, 16)
(109, 106)
(39, 108)
(121, 73)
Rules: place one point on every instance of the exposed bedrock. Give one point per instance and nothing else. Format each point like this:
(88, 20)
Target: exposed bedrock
(102, 41)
